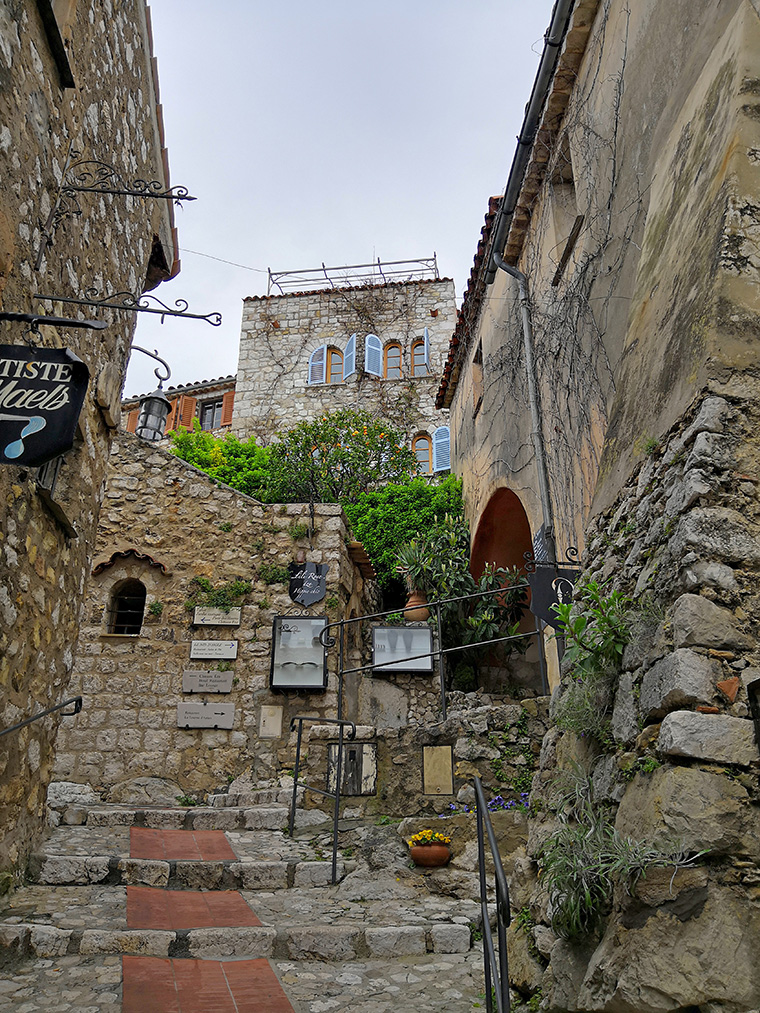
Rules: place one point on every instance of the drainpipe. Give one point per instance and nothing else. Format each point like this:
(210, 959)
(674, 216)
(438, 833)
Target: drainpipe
(535, 414)
(552, 41)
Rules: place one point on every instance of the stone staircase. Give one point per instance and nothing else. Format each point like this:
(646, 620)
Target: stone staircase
(120, 895)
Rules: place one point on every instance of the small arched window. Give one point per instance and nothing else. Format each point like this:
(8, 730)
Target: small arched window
(423, 450)
(392, 361)
(334, 366)
(420, 359)
(127, 608)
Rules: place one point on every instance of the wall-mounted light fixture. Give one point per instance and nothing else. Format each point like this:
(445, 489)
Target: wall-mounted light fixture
(154, 407)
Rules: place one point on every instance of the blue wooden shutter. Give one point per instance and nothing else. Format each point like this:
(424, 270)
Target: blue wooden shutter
(317, 363)
(426, 352)
(373, 355)
(441, 449)
(349, 358)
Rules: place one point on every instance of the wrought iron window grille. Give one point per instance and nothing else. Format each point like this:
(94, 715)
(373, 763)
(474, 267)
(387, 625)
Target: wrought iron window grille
(91, 175)
(127, 609)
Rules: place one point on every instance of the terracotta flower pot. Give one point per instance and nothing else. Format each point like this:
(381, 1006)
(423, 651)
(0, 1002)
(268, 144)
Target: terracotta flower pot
(415, 610)
(431, 855)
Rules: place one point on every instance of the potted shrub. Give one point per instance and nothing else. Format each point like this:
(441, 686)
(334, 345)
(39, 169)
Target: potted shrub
(413, 563)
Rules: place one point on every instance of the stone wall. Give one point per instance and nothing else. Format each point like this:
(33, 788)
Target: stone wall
(279, 333)
(683, 541)
(46, 541)
(179, 524)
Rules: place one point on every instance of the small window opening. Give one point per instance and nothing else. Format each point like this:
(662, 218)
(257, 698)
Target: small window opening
(127, 608)
(419, 366)
(334, 366)
(211, 414)
(393, 362)
(423, 451)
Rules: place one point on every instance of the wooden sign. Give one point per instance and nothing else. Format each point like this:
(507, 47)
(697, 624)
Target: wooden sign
(41, 395)
(213, 649)
(206, 681)
(216, 617)
(205, 715)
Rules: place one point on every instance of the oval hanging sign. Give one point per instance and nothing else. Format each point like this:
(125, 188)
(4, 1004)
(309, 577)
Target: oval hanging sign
(41, 395)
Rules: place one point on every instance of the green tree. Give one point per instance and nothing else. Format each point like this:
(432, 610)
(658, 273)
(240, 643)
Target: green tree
(241, 464)
(336, 458)
(386, 518)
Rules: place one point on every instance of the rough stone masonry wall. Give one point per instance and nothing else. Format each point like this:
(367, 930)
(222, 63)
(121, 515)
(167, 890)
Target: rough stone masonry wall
(171, 512)
(279, 333)
(683, 541)
(111, 115)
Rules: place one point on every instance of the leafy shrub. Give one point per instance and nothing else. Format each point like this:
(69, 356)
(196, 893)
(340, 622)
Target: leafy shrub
(273, 573)
(223, 597)
(241, 464)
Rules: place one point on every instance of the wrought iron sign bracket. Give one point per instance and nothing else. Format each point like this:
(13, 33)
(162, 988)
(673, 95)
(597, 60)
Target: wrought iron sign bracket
(91, 175)
(134, 304)
(35, 319)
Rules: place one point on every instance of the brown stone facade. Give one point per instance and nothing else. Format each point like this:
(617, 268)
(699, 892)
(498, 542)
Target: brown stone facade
(167, 522)
(84, 81)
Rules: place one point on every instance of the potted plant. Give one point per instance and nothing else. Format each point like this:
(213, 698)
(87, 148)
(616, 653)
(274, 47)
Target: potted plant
(413, 563)
(430, 848)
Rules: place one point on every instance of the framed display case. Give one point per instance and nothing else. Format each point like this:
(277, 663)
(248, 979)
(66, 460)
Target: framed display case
(299, 661)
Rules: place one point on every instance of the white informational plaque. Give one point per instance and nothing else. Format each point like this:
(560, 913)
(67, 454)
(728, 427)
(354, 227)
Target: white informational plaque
(216, 617)
(299, 660)
(205, 715)
(213, 649)
(206, 681)
(398, 649)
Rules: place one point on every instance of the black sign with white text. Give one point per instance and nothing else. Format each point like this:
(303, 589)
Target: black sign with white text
(308, 582)
(551, 586)
(41, 395)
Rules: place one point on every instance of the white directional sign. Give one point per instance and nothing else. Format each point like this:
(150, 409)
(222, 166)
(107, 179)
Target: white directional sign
(213, 649)
(205, 715)
(206, 681)
(216, 617)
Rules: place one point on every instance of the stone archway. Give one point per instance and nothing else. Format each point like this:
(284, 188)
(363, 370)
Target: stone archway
(502, 535)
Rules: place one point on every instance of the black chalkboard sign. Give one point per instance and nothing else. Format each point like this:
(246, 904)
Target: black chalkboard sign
(41, 395)
(308, 582)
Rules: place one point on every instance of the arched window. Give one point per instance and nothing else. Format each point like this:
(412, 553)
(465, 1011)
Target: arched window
(334, 366)
(127, 608)
(392, 361)
(423, 451)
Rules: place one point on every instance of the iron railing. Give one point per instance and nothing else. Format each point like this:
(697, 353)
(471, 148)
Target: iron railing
(328, 640)
(495, 967)
(299, 719)
(76, 700)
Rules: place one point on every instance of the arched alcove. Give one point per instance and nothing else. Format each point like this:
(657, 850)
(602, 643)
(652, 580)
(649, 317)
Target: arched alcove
(502, 535)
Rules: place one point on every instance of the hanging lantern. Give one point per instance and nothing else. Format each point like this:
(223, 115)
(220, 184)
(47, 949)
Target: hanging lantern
(154, 411)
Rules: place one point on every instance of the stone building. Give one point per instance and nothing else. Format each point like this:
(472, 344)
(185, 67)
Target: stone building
(79, 84)
(602, 383)
(210, 401)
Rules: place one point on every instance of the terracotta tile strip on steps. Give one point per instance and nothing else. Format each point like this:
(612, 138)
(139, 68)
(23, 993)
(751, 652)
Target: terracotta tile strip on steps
(152, 908)
(165, 845)
(157, 985)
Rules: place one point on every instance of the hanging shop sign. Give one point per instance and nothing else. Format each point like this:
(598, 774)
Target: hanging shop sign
(402, 649)
(549, 586)
(308, 582)
(299, 659)
(41, 395)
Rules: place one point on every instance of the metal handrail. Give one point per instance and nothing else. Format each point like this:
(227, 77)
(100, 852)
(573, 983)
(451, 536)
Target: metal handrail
(496, 971)
(76, 700)
(319, 791)
(327, 640)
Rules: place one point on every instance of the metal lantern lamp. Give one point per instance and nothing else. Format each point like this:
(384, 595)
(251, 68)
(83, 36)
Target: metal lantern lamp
(154, 407)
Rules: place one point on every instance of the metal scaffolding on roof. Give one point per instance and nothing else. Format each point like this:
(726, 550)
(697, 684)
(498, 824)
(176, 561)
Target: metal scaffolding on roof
(353, 275)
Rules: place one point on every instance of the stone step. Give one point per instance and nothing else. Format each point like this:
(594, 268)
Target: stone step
(269, 817)
(115, 870)
(323, 943)
(255, 797)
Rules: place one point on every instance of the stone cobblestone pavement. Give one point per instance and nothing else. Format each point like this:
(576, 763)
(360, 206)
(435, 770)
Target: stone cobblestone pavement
(429, 984)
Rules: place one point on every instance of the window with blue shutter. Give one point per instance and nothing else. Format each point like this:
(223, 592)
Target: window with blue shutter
(349, 359)
(317, 363)
(442, 449)
(427, 350)
(373, 355)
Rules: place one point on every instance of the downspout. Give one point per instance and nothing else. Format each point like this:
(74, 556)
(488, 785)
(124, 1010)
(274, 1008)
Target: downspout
(535, 414)
(552, 41)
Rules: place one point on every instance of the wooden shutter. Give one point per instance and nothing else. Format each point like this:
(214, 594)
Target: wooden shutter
(187, 411)
(132, 418)
(171, 422)
(441, 449)
(317, 364)
(373, 355)
(228, 402)
(349, 358)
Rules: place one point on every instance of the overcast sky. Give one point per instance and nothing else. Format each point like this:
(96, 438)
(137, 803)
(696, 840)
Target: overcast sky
(336, 131)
